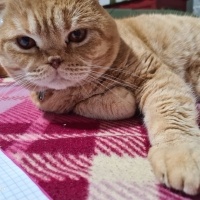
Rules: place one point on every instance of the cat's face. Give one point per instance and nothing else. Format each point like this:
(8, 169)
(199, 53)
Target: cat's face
(57, 43)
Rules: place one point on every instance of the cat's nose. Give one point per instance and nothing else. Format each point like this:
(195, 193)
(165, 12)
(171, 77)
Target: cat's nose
(55, 62)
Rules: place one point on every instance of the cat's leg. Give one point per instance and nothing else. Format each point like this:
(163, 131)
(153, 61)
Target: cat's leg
(171, 119)
(56, 101)
(117, 103)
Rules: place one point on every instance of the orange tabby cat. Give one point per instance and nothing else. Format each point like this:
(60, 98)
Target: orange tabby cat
(75, 57)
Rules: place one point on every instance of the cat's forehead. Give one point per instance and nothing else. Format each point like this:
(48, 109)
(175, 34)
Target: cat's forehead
(41, 15)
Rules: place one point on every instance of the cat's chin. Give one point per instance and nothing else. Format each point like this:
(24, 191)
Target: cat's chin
(55, 84)
(59, 84)
(59, 87)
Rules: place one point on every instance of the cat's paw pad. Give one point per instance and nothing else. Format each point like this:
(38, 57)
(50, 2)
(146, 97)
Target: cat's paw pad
(177, 166)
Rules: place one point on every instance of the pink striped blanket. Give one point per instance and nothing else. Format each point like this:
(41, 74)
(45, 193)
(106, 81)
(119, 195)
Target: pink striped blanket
(75, 158)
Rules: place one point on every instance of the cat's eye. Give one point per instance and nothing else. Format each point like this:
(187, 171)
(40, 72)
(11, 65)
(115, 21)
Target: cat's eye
(25, 42)
(77, 36)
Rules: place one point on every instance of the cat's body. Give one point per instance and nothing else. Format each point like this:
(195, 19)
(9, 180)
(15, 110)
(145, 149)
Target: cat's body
(150, 45)
(76, 58)
(172, 39)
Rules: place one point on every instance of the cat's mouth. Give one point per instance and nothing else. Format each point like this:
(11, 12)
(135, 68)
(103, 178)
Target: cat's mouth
(56, 83)
(59, 80)
(59, 83)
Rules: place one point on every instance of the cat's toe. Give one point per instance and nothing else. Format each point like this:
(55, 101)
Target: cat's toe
(177, 166)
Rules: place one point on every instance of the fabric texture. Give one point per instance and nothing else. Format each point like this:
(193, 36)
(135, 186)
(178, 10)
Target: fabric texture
(75, 158)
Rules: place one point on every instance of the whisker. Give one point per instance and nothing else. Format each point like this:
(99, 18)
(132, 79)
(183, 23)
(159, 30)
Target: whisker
(21, 83)
(82, 86)
(123, 71)
(108, 89)
(116, 80)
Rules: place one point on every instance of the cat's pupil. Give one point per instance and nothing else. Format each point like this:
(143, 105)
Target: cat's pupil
(26, 42)
(77, 35)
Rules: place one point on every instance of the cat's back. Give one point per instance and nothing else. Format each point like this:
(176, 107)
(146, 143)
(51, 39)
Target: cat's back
(161, 28)
(173, 38)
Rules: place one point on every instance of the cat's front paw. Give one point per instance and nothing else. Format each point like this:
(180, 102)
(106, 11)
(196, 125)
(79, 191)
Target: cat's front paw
(177, 165)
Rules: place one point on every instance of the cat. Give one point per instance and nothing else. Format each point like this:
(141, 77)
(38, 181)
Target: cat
(3, 73)
(74, 57)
